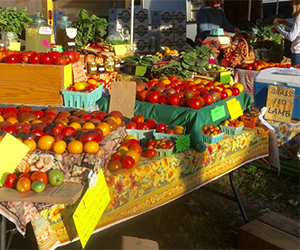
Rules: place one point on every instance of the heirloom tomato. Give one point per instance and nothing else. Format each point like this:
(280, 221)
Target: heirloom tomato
(128, 162)
(23, 185)
(150, 153)
(39, 175)
(10, 180)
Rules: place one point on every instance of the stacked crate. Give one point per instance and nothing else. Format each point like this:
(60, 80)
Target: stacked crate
(162, 29)
(119, 21)
(179, 21)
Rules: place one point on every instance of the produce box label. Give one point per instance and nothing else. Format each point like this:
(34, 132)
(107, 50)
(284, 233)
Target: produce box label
(234, 108)
(217, 113)
(91, 208)
(67, 75)
(280, 101)
(12, 151)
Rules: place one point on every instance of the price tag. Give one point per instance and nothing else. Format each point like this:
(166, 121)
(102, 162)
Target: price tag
(234, 108)
(12, 151)
(218, 113)
(68, 75)
(183, 143)
(140, 70)
(120, 50)
(78, 72)
(225, 76)
(15, 46)
(91, 208)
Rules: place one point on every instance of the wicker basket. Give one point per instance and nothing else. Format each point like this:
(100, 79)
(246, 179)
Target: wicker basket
(250, 56)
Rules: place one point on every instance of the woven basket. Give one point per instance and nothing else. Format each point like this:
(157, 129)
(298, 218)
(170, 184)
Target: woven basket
(250, 56)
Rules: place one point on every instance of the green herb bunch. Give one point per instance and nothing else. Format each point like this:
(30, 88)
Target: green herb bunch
(143, 60)
(89, 29)
(13, 20)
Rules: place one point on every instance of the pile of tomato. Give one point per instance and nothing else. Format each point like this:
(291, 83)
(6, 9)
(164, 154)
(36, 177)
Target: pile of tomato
(32, 57)
(260, 65)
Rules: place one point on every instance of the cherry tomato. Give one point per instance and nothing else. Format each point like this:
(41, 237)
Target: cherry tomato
(14, 58)
(75, 147)
(46, 142)
(34, 58)
(47, 58)
(39, 175)
(91, 147)
(150, 153)
(137, 148)
(10, 180)
(161, 127)
(114, 165)
(23, 185)
(59, 147)
(128, 162)
(249, 67)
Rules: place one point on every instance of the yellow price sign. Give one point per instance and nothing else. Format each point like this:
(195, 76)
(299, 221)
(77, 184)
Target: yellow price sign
(234, 108)
(68, 79)
(91, 208)
(120, 50)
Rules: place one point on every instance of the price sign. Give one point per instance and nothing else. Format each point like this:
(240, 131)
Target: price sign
(217, 113)
(234, 108)
(120, 50)
(140, 70)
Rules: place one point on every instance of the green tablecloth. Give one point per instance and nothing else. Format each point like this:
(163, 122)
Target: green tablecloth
(192, 119)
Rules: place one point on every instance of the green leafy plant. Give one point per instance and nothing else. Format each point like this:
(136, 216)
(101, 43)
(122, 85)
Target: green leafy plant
(89, 29)
(13, 20)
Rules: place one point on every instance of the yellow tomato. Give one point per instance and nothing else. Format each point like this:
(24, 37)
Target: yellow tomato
(1, 118)
(80, 85)
(105, 128)
(30, 143)
(178, 130)
(59, 147)
(75, 147)
(46, 142)
(91, 147)
(75, 125)
(89, 125)
(239, 86)
(129, 137)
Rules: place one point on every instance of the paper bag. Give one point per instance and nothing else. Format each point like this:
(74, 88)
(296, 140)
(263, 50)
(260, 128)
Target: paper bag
(122, 98)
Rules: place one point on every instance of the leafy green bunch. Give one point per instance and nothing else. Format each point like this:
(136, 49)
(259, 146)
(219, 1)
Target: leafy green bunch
(13, 20)
(89, 29)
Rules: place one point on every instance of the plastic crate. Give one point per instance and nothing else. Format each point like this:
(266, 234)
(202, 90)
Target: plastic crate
(212, 139)
(81, 99)
(249, 121)
(231, 130)
(169, 137)
(165, 152)
(143, 136)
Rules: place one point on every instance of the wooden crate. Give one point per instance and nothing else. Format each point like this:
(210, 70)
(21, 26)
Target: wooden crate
(35, 84)
(270, 231)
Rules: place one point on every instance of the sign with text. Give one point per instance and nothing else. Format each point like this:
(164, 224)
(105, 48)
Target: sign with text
(280, 102)
(67, 75)
(234, 108)
(91, 208)
(217, 113)
(78, 72)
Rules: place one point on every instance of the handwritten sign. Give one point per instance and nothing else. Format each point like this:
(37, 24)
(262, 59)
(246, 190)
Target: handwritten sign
(234, 108)
(78, 72)
(67, 75)
(12, 151)
(217, 113)
(280, 102)
(91, 208)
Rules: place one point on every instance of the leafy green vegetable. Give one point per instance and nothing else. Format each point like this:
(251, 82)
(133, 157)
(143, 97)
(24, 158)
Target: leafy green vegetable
(89, 29)
(143, 60)
(13, 20)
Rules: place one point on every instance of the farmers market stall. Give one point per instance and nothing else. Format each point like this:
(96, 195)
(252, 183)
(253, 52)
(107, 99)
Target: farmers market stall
(150, 184)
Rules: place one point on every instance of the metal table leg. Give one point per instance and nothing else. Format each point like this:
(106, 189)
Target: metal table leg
(235, 198)
(3, 233)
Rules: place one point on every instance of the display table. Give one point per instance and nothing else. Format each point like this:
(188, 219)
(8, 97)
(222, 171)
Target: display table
(148, 185)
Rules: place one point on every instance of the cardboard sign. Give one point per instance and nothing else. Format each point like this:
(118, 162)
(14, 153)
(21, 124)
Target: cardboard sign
(12, 151)
(234, 108)
(91, 208)
(280, 102)
(122, 98)
(78, 72)
(134, 243)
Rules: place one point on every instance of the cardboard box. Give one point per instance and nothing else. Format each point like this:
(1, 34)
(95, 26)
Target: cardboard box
(34, 84)
(134, 243)
(66, 193)
(271, 76)
(270, 231)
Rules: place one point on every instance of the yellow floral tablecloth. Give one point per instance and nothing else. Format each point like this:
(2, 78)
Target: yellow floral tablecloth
(149, 185)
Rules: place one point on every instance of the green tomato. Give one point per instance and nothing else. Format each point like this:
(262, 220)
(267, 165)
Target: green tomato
(55, 177)
(38, 186)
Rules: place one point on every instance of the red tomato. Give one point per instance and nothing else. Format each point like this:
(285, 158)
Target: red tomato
(138, 119)
(143, 126)
(91, 87)
(208, 99)
(35, 58)
(56, 130)
(161, 127)
(10, 129)
(194, 103)
(47, 58)
(71, 56)
(173, 99)
(14, 58)
(39, 175)
(55, 54)
(235, 91)
(71, 88)
(76, 54)
(254, 64)
(27, 175)
(60, 60)
(23, 185)
(10, 180)
(150, 153)
(136, 148)
(153, 96)
(170, 144)
(131, 125)
(249, 67)
(68, 130)
(128, 162)
(38, 132)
